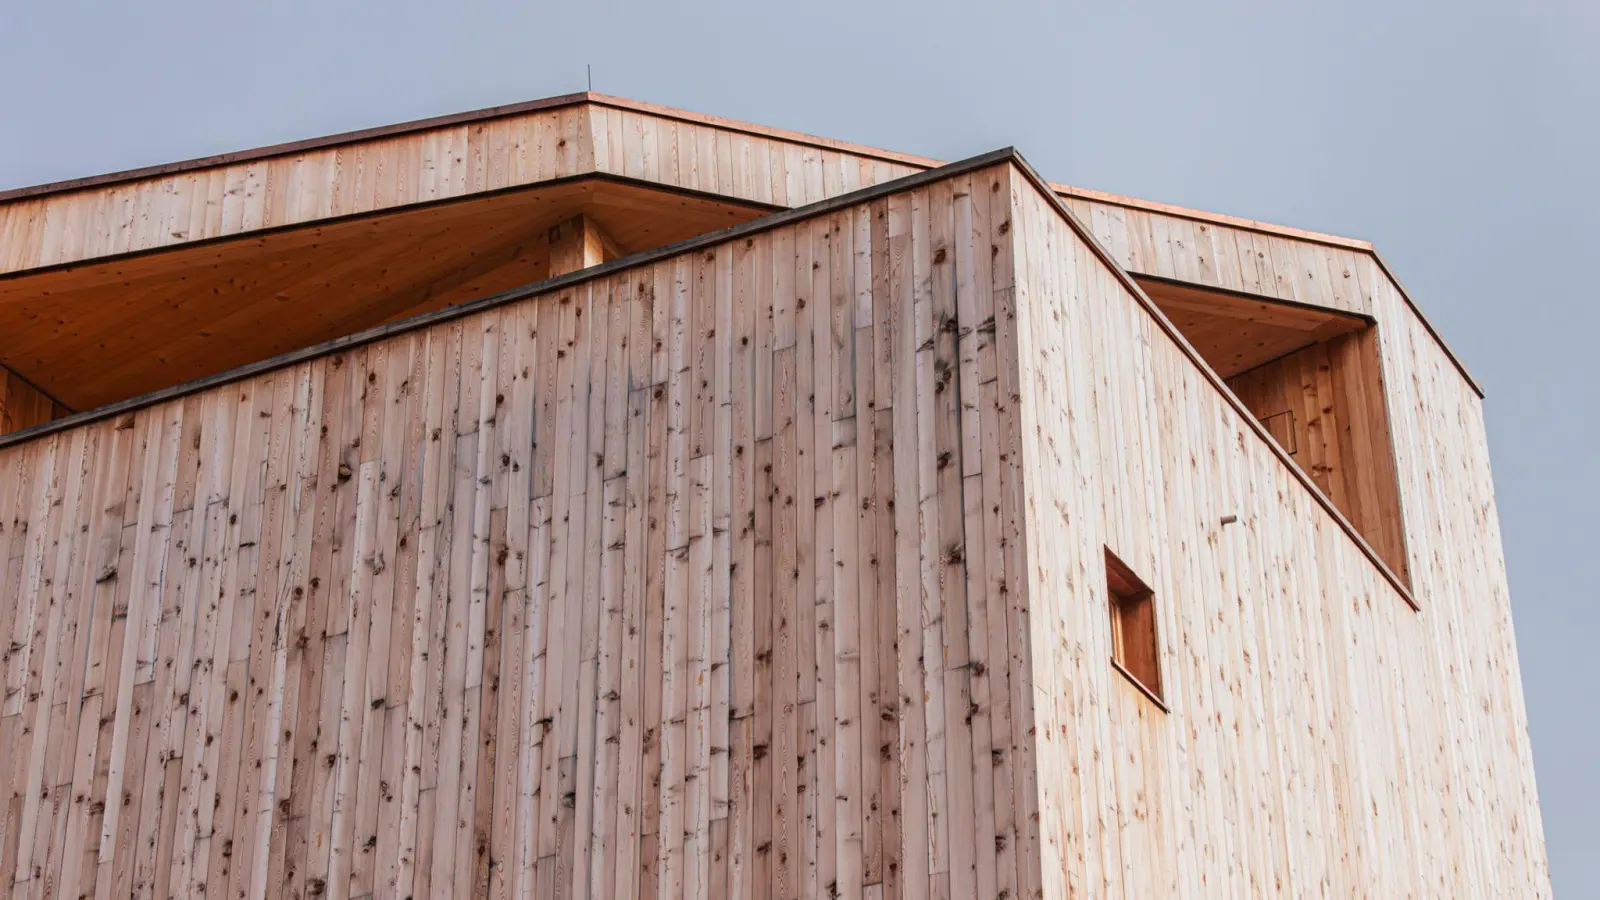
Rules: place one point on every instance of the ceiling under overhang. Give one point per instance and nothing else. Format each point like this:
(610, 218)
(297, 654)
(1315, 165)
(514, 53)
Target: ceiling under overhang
(1238, 332)
(96, 333)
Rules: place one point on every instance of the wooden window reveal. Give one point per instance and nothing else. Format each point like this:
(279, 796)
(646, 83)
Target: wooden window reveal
(1135, 650)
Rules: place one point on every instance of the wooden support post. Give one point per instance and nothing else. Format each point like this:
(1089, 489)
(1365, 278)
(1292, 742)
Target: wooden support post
(578, 243)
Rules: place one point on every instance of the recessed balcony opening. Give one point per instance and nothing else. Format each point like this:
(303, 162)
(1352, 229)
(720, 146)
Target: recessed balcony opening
(1313, 378)
(79, 337)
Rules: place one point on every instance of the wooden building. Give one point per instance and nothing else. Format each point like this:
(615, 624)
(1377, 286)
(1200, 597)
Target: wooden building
(590, 499)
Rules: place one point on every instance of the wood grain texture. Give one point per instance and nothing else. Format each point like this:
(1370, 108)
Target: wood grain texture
(1323, 737)
(1274, 261)
(523, 144)
(1236, 332)
(770, 568)
(1213, 254)
(158, 280)
(433, 164)
(627, 590)
(104, 331)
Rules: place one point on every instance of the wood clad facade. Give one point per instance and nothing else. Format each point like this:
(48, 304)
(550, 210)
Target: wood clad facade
(768, 566)
(568, 139)
(656, 586)
(1324, 738)
(1460, 655)
(112, 291)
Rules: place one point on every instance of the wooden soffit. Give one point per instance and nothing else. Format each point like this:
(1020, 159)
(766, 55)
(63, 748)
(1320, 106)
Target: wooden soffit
(1236, 332)
(103, 331)
(494, 149)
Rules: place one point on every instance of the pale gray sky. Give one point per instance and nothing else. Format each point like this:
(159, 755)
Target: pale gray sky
(1462, 139)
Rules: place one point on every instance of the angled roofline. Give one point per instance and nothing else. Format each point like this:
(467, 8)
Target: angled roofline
(284, 149)
(1200, 215)
(1285, 231)
(1209, 373)
(667, 112)
(779, 219)
(446, 121)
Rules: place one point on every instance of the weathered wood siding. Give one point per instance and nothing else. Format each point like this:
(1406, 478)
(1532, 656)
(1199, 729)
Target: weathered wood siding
(1214, 254)
(728, 161)
(1323, 738)
(1458, 572)
(1452, 540)
(239, 198)
(433, 164)
(770, 569)
(696, 580)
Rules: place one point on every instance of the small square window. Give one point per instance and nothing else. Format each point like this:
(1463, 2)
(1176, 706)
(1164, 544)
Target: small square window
(1134, 649)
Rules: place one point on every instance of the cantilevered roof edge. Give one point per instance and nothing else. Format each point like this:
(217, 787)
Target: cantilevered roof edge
(1285, 231)
(452, 119)
(769, 222)
(665, 112)
(590, 97)
(257, 234)
(756, 226)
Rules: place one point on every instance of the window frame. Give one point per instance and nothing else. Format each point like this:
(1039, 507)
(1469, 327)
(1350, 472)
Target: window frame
(1130, 603)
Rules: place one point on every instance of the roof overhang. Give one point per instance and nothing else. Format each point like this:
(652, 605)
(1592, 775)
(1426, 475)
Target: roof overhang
(101, 331)
(571, 140)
